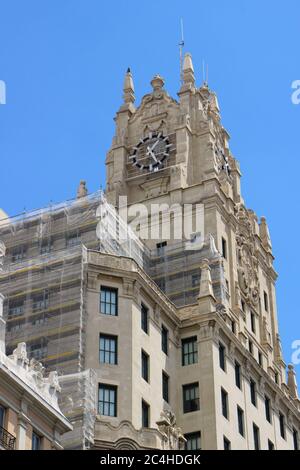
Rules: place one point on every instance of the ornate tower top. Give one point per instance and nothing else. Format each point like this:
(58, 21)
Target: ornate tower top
(128, 88)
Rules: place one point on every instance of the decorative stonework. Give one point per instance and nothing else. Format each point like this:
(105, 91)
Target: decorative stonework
(172, 433)
(247, 257)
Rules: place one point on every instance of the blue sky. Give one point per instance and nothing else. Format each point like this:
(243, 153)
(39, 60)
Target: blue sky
(63, 62)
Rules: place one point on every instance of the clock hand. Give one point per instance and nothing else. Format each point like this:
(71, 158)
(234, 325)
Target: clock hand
(155, 144)
(149, 152)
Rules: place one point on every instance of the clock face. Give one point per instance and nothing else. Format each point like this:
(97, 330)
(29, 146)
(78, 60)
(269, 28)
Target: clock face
(151, 152)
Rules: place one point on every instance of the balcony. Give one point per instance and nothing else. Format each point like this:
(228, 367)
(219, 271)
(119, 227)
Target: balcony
(7, 440)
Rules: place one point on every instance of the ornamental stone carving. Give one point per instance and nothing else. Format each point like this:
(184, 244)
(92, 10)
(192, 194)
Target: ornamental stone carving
(247, 257)
(172, 433)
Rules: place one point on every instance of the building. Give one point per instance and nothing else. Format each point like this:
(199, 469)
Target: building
(30, 418)
(162, 341)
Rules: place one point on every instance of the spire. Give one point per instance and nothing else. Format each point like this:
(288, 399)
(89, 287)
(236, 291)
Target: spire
(265, 234)
(291, 382)
(128, 88)
(82, 189)
(188, 70)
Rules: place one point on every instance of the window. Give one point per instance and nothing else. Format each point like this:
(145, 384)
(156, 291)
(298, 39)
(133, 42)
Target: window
(240, 416)
(295, 439)
(164, 339)
(189, 351)
(233, 327)
(266, 302)
(35, 441)
(193, 441)
(160, 247)
(224, 248)
(145, 365)
(145, 414)
(260, 358)
(73, 239)
(253, 325)
(38, 350)
(109, 301)
(107, 404)
(45, 247)
(253, 392)
(145, 318)
(270, 445)
(268, 409)
(237, 371)
(165, 387)
(222, 356)
(276, 378)
(256, 437)
(191, 397)
(282, 425)
(243, 305)
(250, 347)
(40, 301)
(18, 253)
(108, 351)
(224, 401)
(195, 280)
(227, 444)
(16, 307)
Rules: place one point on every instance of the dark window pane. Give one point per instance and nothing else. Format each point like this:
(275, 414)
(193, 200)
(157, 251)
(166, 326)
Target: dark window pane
(164, 339)
(145, 414)
(108, 349)
(189, 351)
(145, 366)
(237, 370)
(222, 356)
(193, 441)
(144, 318)
(256, 437)
(107, 403)
(227, 444)
(191, 397)
(165, 387)
(253, 392)
(224, 400)
(109, 301)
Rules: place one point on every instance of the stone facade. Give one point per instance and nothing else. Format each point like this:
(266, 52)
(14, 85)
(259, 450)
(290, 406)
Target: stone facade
(157, 346)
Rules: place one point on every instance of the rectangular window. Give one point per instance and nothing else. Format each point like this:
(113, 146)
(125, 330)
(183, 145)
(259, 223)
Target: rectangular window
(266, 302)
(16, 307)
(222, 356)
(260, 358)
(160, 247)
(35, 441)
(224, 248)
(145, 318)
(108, 351)
(250, 347)
(40, 301)
(191, 397)
(295, 439)
(145, 414)
(268, 409)
(253, 325)
(224, 401)
(237, 371)
(256, 437)
(243, 305)
(270, 445)
(227, 444)
(73, 239)
(18, 253)
(193, 441)
(164, 339)
(282, 425)
(107, 402)
(189, 351)
(195, 280)
(253, 392)
(240, 416)
(109, 301)
(233, 327)
(145, 365)
(165, 387)
(45, 247)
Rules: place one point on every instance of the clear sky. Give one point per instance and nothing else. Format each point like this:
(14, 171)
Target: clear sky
(63, 62)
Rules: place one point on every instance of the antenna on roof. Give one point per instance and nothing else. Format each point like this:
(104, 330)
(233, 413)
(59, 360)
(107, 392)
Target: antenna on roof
(181, 45)
(205, 73)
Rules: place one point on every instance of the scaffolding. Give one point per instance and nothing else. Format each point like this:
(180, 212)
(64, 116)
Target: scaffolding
(43, 281)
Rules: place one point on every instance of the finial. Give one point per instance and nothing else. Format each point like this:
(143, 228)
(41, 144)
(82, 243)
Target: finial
(265, 234)
(82, 189)
(188, 69)
(128, 88)
(157, 82)
(291, 382)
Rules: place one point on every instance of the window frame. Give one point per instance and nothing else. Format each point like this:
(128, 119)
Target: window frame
(145, 366)
(165, 386)
(145, 407)
(144, 316)
(194, 353)
(108, 388)
(224, 403)
(189, 437)
(110, 290)
(165, 339)
(222, 356)
(108, 337)
(187, 403)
